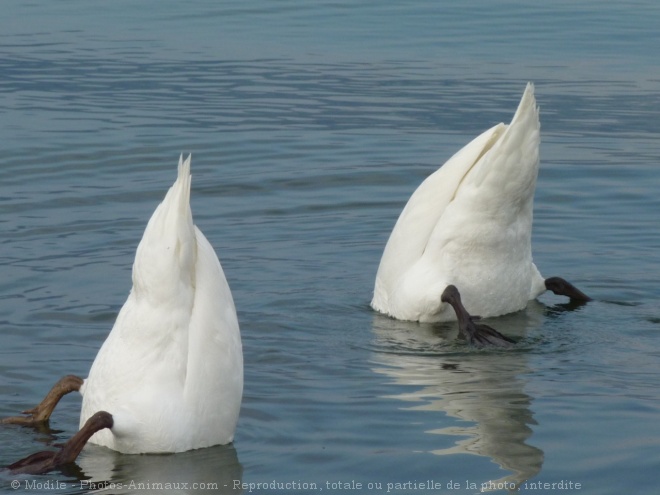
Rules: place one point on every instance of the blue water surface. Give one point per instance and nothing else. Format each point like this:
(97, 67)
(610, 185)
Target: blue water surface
(310, 125)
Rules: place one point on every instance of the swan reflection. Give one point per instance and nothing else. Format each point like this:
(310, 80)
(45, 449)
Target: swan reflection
(485, 390)
(213, 469)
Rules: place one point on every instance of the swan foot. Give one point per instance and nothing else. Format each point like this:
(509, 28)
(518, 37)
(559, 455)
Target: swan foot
(561, 287)
(477, 334)
(45, 461)
(42, 412)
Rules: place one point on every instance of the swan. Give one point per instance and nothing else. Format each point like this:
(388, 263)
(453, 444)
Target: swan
(170, 373)
(469, 225)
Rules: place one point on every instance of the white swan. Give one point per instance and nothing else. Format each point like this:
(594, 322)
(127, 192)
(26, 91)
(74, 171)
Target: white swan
(170, 372)
(469, 225)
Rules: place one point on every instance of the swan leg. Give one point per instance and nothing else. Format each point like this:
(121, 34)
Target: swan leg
(477, 334)
(42, 412)
(561, 287)
(43, 462)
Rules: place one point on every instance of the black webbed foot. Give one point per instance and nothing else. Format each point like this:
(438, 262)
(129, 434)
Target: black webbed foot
(477, 334)
(561, 287)
(43, 462)
(481, 335)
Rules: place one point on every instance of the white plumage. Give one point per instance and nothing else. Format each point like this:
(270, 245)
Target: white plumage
(469, 224)
(171, 370)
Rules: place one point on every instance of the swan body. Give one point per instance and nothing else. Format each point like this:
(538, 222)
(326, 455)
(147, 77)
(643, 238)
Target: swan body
(171, 370)
(469, 225)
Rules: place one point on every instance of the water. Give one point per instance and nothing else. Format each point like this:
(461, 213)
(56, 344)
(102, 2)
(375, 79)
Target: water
(310, 125)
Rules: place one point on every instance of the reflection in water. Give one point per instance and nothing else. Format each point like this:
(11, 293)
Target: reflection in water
(212, 469)
(482, 387)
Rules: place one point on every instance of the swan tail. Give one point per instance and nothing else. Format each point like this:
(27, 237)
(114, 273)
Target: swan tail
(504, 179)
(506, 166)
(165, 257)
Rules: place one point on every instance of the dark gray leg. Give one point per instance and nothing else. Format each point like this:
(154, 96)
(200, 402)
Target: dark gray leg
(561, 287)
(42, 412)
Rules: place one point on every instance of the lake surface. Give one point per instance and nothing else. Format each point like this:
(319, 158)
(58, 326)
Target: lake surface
(310, 124)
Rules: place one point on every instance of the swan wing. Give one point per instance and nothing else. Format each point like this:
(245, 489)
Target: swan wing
(426, 206)
(214, 379)
(482, 241)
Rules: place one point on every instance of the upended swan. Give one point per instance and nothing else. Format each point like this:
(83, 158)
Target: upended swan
(169, 377)
(469, 225)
